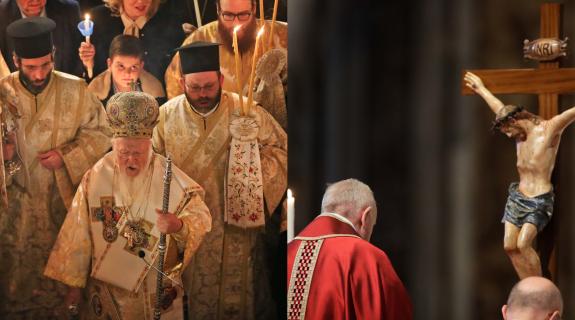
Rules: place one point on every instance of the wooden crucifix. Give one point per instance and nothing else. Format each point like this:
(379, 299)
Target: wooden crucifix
(547, 81)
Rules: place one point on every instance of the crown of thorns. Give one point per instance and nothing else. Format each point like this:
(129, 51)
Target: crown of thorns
(505, 115)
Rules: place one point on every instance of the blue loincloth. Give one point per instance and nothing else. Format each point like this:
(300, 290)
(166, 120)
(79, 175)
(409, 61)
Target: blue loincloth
(521, 209)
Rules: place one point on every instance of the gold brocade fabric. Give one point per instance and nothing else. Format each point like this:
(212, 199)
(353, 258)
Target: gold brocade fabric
(209, 32)
(4, 71)
(67, 118)
(101, 84)
(227, 278)
(81, 253)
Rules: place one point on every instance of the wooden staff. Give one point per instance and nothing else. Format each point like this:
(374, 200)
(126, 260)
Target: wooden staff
(162, 242)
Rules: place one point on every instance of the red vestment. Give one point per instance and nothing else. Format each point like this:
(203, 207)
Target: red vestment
(334, 274)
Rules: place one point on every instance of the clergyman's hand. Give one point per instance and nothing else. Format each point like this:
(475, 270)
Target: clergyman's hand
(9, 146)
(72, 301)
(51, 160)
(168, 222)
(473, 82)
(245, 128)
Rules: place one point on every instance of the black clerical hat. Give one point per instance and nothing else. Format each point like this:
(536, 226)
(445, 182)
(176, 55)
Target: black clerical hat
(200, 56)
(32, 36)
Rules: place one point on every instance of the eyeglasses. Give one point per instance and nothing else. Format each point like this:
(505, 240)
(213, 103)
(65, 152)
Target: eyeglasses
(197, 89)
(242, 16)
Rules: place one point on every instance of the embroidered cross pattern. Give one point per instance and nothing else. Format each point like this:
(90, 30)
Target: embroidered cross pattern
(138, 236)
(300, 282)
(109, 215)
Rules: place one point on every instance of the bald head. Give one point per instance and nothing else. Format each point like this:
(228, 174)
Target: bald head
(534, 298)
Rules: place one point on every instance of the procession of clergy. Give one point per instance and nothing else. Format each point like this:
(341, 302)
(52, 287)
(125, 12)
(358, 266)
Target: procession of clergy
(80, 224)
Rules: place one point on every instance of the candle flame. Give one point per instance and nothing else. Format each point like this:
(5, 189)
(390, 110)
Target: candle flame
(289, 193)
(87, 17)
(261, 31)
(236, 28)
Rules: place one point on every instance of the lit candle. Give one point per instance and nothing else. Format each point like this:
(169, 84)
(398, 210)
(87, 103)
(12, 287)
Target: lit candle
(238, 66)
(290, 215)
(271, 36)
(87, 25)
(252, 74)
(90, 67)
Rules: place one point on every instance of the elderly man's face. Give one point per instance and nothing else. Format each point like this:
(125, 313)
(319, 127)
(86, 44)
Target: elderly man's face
(132, 154)
(136, 8)
(35, 71)
(203, 89)
(31, 8)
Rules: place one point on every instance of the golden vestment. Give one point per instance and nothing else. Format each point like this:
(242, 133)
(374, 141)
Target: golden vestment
(227, 278)
(209, 32)
(120, 285)
(67, 118)
(4, 71)
(102, 84)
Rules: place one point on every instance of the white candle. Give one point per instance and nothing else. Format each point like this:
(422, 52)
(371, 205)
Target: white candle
(87, 25)
(253, 71)
(238, 74)
(290, 215)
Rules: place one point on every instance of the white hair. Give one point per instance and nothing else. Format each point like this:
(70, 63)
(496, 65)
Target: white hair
(347, 197)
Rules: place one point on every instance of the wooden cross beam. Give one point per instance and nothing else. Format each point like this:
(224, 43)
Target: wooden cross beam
(547, 81)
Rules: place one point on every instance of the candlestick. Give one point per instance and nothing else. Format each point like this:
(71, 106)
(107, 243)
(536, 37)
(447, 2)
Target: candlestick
(238, 74)
(290, 215)
(253, 71)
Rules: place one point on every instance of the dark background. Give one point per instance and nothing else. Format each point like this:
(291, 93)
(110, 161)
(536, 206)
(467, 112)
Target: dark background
(375, 94)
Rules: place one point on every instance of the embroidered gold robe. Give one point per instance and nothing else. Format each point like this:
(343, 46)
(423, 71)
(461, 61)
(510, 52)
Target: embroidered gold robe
(120, 286)
(63, 117)
(4, 71)
(102, 84)
(227, 278)
(209, 32)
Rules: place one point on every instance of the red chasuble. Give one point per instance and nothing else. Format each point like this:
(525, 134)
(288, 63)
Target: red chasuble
(334, 274)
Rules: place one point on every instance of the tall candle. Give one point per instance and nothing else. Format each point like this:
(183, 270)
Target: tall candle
(253, 71)
(90, 68)
(290, 215)
(87, 25)
(271, 35)
(238, 74)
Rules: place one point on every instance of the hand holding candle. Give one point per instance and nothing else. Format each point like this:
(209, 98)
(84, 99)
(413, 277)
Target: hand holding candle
(86, 27)
(290, 215)
(253, 71)
(238, 69)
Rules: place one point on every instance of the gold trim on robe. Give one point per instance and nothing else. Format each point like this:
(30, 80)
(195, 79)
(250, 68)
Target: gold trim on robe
(209, 32)
(81, 252)
(66, 118)
(226, 278)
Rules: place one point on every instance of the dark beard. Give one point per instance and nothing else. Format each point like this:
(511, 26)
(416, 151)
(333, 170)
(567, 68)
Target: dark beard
(244, 43)
(204, 110)
(34, 89)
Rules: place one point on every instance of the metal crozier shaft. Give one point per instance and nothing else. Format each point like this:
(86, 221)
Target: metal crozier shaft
(162, 241)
